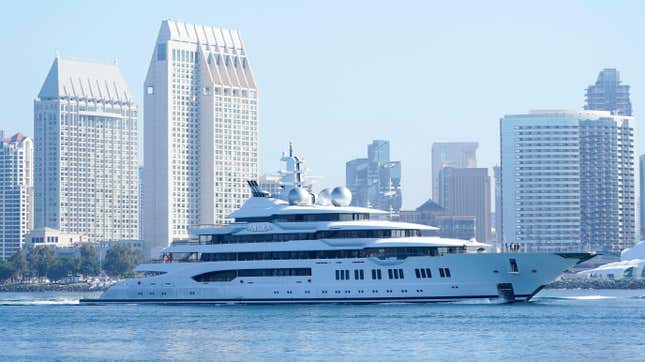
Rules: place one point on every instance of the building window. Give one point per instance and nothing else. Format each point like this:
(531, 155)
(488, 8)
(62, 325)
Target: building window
(150, 90)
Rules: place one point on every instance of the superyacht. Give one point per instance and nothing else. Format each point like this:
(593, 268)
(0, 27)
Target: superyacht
(318, 249)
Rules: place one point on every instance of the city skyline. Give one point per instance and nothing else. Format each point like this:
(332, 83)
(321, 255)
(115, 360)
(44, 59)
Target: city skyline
(396, 117)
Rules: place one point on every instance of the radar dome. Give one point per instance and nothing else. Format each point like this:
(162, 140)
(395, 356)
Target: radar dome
(341, 196)
(299, 196)
(324, 197)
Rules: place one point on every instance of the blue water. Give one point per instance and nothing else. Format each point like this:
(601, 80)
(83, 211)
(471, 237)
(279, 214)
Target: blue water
(558, 325)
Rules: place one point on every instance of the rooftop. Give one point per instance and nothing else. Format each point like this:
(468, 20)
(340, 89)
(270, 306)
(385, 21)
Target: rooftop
(85, 80)
(583, 114)
(18, 137)
(178, 30)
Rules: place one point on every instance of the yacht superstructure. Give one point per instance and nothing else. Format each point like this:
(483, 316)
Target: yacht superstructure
(317, 249)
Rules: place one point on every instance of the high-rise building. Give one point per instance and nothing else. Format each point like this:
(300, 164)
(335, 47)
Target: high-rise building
(466, 192)
(16, 192)
(375, 181)
(201, 121)
(141, 217)
(641, 185)
(356, 180)
(608, 94)
(433, 214)
(568, 180)
(451, 154)
(499, 221)
(86, 152)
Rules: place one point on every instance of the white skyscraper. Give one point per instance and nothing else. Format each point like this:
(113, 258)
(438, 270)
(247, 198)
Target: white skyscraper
(16, 192)
(201, 130)
(568, 181)
(86, 152)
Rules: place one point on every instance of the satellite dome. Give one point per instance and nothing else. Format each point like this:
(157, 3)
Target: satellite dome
(324, 197)
(299, 196)
(341, 196)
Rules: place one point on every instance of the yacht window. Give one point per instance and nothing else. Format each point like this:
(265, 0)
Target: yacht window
(423, 273)
(389, 274)
(361, 274)
(307, 217)
(417, 273)
(376, 274)
(346, 274)
(382, 253)
(513, 264)
(628, 273)
(428, 272)
(442, 273)
(323, 234)
(216, 276)
(337, 274)
(447, 273)
(401, 274)
(228, 275)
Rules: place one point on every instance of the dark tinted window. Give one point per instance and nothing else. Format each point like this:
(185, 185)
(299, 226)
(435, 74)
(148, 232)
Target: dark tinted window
(325, 234)
(381, 253)
(306, 217)
(228, 275)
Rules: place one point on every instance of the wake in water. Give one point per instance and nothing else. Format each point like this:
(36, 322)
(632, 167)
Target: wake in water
(478, 301)
(38, 301)
(580, 297)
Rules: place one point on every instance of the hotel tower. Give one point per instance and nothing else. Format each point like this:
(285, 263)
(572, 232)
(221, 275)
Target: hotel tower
(201, 130)
(86, 152)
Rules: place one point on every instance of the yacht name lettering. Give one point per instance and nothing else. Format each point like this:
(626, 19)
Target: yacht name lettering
(258, 228)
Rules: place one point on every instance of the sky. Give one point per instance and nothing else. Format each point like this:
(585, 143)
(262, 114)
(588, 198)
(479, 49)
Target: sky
(334, 75)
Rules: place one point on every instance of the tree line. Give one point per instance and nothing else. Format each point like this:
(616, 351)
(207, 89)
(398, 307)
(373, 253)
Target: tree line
(40, 262)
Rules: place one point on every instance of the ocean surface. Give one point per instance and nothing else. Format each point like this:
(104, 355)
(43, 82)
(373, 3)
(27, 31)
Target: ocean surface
(567, 325)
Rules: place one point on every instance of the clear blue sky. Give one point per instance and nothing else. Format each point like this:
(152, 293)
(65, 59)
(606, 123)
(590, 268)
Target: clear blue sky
(333, 75)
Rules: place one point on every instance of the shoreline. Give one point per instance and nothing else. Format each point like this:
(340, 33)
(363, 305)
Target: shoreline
(51, 287)
(596, 284)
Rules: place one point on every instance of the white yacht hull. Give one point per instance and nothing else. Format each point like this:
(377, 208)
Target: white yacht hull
(483, 276)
